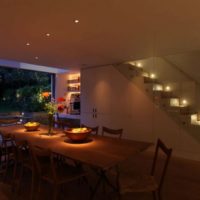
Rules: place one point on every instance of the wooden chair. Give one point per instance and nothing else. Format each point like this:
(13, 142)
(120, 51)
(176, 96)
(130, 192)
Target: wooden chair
(53, 172)
(5, 191)
(59, 123)
(114, 132)
(95, 129)
(6, 153)
(148, 183)
(23, 162)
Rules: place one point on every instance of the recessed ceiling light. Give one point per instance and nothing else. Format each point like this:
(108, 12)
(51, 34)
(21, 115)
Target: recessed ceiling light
(28, 44)
(36, 57)
(76, 21)
(48, 34)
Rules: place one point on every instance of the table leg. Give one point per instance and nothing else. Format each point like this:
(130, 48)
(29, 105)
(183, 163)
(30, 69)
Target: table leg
(101, 173)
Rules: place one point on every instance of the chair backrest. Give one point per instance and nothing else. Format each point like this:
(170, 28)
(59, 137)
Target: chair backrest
(21, 150)
(167, 151)
(116, 132)
(63, 124)
(43, 158)
(95, 129)
(5, 191)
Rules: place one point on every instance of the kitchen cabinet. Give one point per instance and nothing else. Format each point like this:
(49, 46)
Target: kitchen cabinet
(96, 96)
(107, 98)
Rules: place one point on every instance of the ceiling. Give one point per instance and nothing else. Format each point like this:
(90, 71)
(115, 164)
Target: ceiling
(109, 31)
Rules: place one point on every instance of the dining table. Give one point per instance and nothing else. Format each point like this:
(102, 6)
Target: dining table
(99, 152)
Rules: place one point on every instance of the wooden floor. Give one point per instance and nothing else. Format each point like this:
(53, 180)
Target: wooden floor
(182, 182)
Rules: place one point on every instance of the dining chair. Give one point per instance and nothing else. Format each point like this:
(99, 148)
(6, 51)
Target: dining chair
(23, 162)
(148, 183)
(113, 132)
(6, 153)
(62, 123)
(94, 131)
(50, 171)
(5, 193)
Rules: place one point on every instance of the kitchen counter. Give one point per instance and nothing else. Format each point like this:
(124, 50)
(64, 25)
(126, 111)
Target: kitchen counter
(68, 116)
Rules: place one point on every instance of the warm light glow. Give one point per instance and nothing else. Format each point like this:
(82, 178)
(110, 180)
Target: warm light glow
(195, 120)
(73, 92)
(79, 130)
(48, 34)
(36, 57)
(157, 87)
(76, 21)
(167, 88)
(174, 102)
(28, 44)
(152, 76)
(139, 64)
(131, 63)
(32, 124)
(73, 76)
(184, 102)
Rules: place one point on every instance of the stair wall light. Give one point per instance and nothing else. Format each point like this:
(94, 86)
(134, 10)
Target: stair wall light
(167, 88)
(194, 119)
(174, 102)
(152, 76)
(184, 103)
(157, 87)
(131, 63)
(139, 65)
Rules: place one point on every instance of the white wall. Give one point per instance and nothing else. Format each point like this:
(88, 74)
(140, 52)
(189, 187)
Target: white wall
(61, 85)
(133, 110)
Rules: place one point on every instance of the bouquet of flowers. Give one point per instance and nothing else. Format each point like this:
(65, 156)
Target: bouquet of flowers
(52, 107)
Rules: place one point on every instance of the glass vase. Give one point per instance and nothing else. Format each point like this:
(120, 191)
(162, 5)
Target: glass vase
(50, 124)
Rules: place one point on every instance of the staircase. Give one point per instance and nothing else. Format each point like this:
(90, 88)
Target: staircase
(164, 97)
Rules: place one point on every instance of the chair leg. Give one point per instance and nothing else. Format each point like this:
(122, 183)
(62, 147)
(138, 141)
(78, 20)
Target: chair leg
(39, 188)
(154, 195)
(6, 168)
(20, 178)
(32, 185)
(56, 188)
(14, 176)
(159, 196)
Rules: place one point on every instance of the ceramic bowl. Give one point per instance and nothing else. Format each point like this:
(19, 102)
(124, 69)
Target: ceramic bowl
(78, 134)
(32, 126)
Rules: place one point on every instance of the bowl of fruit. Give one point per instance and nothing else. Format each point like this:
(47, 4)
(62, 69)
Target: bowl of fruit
(32, 126)
(78, 134)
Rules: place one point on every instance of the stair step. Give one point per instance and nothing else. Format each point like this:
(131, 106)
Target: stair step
(167, 94)
(167, 102)
(185, 119)
(135, 68)
(130, 69)
(150, 80)
(194, 119)
(181, 110)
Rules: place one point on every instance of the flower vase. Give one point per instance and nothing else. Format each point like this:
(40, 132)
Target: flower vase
(50, 124)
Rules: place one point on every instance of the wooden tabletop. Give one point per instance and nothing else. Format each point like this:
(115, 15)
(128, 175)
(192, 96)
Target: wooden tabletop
(97, 151)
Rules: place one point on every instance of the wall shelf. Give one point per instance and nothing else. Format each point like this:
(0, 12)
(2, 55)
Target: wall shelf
(73, 85)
